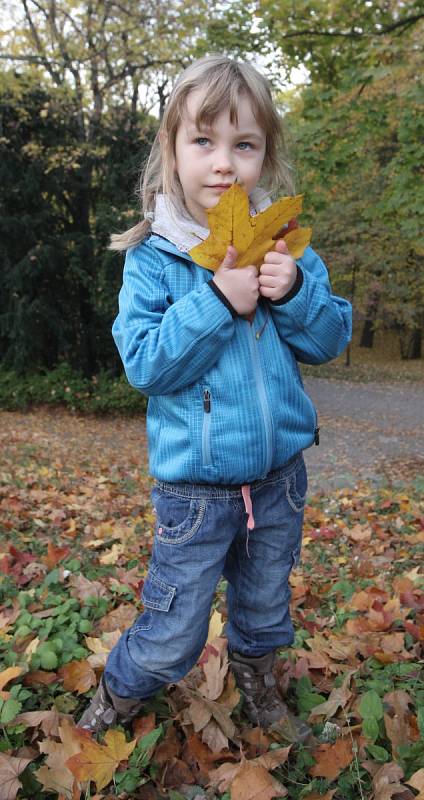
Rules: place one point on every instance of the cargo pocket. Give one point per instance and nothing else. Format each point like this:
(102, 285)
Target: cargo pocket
(296, 489)
(157, 594)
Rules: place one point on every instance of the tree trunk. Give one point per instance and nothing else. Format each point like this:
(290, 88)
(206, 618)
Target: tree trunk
(367, 337)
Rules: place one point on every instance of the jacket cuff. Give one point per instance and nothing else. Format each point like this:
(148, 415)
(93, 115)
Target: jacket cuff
(293, 291)
(224, 300)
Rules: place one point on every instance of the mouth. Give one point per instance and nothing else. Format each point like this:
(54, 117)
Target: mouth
(220, 186)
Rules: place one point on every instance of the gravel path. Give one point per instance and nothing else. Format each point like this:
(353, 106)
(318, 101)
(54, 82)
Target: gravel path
(370, 431)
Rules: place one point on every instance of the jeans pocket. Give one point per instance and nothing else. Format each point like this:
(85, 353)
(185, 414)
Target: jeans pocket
(178, 518)
(296, 489)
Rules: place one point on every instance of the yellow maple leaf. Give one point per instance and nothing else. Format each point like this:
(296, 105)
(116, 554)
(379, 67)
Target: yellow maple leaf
(230, 223)
(98, 762)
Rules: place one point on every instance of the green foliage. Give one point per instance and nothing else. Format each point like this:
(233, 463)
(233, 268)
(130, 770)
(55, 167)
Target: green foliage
(60, 199)
(101, 394)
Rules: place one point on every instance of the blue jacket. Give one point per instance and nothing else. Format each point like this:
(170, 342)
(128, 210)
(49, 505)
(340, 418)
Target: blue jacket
(226, 399)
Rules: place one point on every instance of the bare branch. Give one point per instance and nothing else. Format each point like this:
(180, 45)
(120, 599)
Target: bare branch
(405, 23)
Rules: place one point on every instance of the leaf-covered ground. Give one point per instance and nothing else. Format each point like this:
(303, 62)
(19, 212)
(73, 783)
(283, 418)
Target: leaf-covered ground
(76, 527)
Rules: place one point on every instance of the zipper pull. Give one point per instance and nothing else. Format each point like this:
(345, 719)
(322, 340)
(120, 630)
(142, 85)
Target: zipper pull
(207, 401)
(316, 435)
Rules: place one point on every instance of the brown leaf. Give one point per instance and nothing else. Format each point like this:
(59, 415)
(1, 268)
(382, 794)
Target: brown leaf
(77, 676)
(82, 588)
(10, 769)
(121, 617)
(144, 725)
(253, 782)
(168, 749)
(178, 772)
(274, 758)
(331, 759)
(386, 781)
(55, 554)
(222, 776)
(213, 736)
(256, 737)
(315, 796)
(338, 698)
(199, 713)
(230, 697)
(417, 780)
(48, 721)
(39, 677)
(215, 668)
(54, 775)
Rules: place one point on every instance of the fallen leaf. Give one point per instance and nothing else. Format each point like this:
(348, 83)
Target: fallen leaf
(49, 721)
(386, 781)
(55, 554)
(112, 556)
(10, 769)
(216, 625)
(82, 588)
(121, 617)
(215, 668)
(253, 782)
(54, 774)
(230, 223)
(9, 674)
(213, 736)
(177, 772)
(417, 780)
(98, 762)
(338, 698)
(77, 676)
(331, 759)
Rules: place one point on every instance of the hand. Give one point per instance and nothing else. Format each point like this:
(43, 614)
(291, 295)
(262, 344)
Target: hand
(240, 286)
(278, 273)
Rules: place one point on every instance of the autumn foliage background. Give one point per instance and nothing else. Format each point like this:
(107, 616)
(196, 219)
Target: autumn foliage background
(80, 89)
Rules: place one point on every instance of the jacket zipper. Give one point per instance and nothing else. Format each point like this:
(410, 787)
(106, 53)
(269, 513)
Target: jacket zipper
(263, 400)
(206, 428)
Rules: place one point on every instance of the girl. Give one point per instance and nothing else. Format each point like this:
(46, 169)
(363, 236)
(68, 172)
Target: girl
(228, 416)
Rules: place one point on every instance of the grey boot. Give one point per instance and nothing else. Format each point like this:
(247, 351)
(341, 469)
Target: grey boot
(262, 702)
(107, 709)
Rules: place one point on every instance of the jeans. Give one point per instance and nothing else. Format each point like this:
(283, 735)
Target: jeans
(201, 534)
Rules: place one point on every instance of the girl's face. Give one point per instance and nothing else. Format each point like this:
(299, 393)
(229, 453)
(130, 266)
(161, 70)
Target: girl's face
(209, 160)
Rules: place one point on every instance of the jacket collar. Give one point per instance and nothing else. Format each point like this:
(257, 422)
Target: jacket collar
(176, 232)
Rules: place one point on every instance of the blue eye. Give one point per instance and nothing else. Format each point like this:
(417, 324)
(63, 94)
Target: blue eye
(244, 145)
(201, 140)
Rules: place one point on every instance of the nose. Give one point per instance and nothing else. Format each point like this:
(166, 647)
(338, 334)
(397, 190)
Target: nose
(223, 163)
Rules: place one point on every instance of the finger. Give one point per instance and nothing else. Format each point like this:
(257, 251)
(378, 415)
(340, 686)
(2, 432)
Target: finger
(267, 280)
(272, 268)
(267, 291)
(230, 257)
(276, 258)
(281, 247)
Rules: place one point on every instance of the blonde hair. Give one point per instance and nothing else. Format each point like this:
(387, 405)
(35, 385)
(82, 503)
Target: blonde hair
(223, 80)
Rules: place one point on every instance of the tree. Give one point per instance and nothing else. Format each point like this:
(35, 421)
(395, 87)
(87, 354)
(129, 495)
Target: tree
(89, 61)
(58, 282)
(359, 145)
